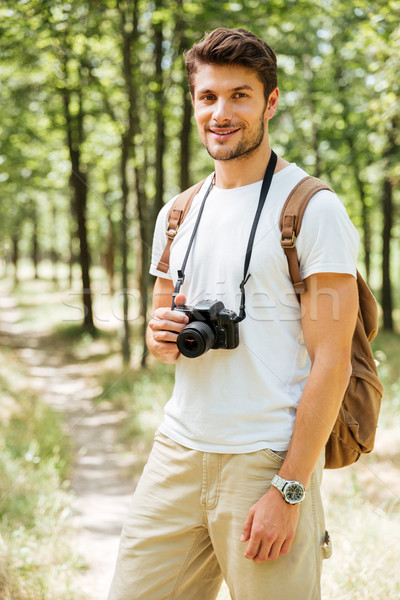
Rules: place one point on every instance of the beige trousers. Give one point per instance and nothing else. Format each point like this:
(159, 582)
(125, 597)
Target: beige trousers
(182, 534)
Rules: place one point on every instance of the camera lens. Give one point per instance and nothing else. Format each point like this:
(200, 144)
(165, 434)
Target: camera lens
(195, 339)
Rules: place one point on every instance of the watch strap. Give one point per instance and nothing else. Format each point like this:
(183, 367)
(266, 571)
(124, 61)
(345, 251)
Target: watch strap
(279, 482)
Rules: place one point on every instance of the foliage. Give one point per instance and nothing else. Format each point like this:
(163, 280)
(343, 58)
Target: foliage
(338, 115)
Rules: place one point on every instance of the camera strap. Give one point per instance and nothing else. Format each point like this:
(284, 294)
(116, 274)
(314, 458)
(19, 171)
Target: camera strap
(181, 271)
(266, 184)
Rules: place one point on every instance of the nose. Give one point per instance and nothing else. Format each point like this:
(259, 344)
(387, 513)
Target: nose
(222, 112)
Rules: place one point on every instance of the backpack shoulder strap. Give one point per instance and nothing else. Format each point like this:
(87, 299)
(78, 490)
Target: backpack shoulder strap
(290, 224)
(176, 216)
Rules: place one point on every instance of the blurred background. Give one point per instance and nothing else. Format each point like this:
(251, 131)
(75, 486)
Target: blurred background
(96, 134)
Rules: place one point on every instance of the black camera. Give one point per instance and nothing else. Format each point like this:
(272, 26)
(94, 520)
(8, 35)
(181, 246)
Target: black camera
(211, 325)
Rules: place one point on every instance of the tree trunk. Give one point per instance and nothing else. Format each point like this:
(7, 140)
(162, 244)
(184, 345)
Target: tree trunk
(315, 134)
(53, 250)
(355, 161)
(366, 224)
(15, 257)
(110, 254)
(126, 350)
(35, 245)
(351, 140)
(391, 158)
(185, 139)
(78, 182)
(144, 301)
(386, 300)
(147, 217)
(144, 259)
(160, 137)
(132, 76)
(129, 34)
(180, 29)
(71, 251)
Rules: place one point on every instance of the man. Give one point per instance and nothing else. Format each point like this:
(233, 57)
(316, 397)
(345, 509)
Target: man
(205, 507)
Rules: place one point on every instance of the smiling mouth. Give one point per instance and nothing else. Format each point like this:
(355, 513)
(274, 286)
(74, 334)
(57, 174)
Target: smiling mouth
(223, 132)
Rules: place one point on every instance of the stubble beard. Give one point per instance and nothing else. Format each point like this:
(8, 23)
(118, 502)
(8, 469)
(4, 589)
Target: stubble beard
(244, 148)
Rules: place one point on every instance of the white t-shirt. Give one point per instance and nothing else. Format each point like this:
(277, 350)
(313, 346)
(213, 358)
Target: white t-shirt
(245, 399)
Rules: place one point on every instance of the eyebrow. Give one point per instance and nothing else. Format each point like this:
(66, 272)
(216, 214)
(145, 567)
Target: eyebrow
(235, 89)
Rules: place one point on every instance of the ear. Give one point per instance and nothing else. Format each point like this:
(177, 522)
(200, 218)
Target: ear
(272, 103)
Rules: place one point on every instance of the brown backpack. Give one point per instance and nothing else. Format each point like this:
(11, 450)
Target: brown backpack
(354, 431)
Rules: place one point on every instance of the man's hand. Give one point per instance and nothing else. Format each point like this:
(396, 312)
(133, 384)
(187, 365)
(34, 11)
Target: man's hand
(164, 327)
(270, 527)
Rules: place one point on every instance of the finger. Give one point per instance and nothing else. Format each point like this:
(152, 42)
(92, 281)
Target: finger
(253, 548)
(180, 300)
(165, 336)
(167, 314)
(285, 547)
(267, 552)
(274, 551)
(267, 541)
(256, 534)
(165, 325)
(247, 527)
(245, 536)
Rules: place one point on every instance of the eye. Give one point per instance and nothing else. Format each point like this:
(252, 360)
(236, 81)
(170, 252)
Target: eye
(240, 95)
(208, 98)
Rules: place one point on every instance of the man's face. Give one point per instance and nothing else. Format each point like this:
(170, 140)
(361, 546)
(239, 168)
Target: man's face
(230, 110)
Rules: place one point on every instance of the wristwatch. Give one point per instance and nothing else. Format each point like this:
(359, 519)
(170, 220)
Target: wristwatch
(293, 492)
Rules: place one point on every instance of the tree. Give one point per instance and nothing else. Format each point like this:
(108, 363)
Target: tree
(381, 40)
(72, 86)
(96, 125)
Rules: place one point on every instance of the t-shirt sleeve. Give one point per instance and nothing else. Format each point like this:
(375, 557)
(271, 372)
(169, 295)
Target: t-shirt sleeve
(328, 241)
(160, 240)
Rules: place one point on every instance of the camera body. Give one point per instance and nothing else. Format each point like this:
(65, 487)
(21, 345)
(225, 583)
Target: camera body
(211, 326)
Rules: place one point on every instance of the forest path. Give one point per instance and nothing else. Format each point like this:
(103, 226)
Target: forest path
(101, 480)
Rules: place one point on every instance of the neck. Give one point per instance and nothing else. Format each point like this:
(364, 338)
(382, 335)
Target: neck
(246, 169)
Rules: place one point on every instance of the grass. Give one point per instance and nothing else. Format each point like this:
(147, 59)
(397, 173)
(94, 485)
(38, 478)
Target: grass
(387, 352)
(36, 561)
(365, 538)
(363, 502)
(141, 394)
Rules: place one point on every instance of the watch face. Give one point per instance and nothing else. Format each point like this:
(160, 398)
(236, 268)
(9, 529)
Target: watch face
(294, 493)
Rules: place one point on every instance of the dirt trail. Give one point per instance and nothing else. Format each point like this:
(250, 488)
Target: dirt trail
(100, 481)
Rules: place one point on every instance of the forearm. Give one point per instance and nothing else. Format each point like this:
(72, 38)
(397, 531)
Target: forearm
(316, 415)
(329, 308)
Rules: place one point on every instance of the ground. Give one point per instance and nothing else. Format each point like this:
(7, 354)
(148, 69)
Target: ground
(104, 475)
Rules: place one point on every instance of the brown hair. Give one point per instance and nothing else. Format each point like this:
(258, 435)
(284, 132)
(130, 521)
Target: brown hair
(234, 47)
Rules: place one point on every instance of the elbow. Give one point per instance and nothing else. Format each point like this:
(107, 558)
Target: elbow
(342, 372)
(346, 371)
(336, 366)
